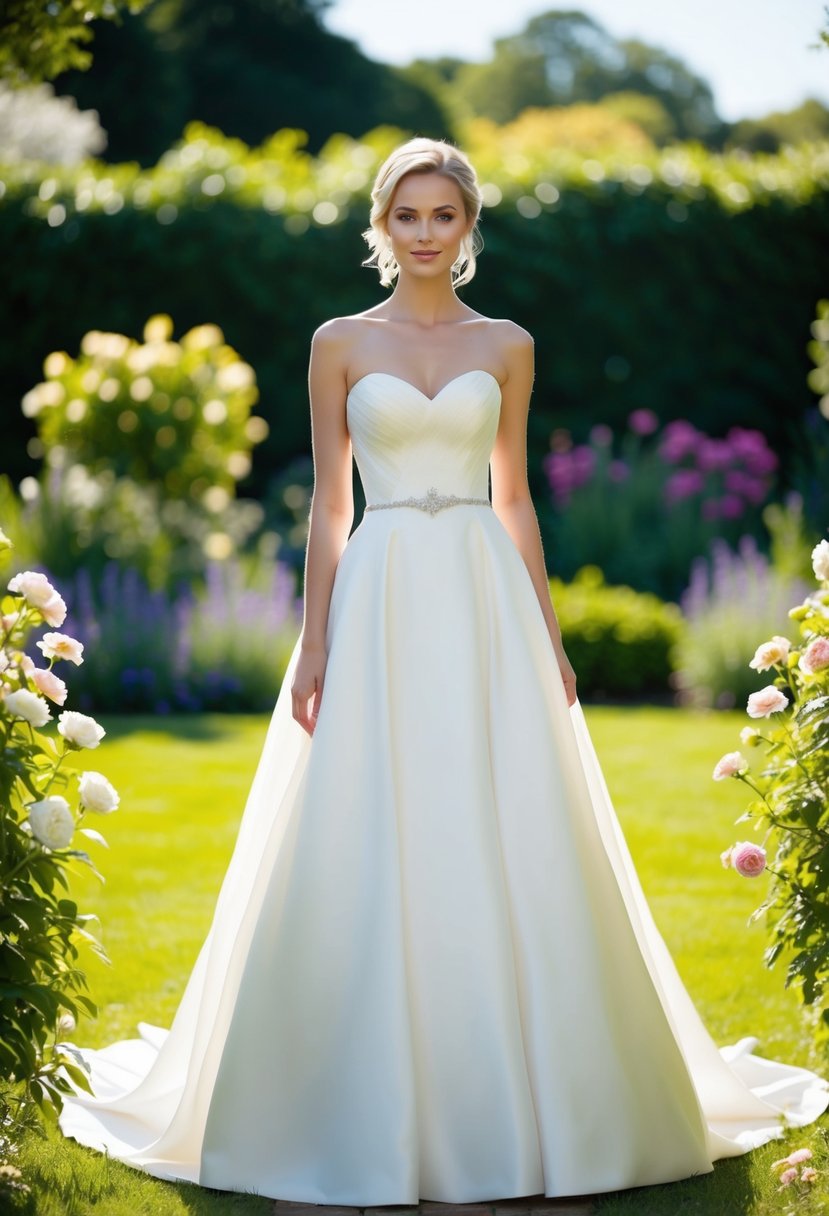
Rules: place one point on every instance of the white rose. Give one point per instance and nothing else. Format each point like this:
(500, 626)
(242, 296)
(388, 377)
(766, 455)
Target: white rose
(39, 592)
(771, 654)
(52, 821)
(97, 794)
(820, 560)
(80, 729)
(29, 706)
(61, 646)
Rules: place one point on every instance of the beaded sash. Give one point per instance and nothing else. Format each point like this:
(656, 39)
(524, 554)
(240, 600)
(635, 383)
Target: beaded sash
(431, 502)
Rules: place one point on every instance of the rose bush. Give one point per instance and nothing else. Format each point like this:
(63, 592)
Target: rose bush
(789, 788)
(42, 986)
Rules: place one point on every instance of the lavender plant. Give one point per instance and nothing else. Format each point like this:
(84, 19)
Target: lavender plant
(735, 598)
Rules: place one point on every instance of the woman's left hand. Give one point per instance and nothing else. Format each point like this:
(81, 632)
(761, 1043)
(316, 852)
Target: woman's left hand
(568, 676)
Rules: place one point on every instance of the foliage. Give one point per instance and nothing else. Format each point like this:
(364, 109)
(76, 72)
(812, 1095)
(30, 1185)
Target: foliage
(646, 112)
(249, 68)
(564, 57)
(619, 641)
(566, 239)
(36, 125)
(733, 600)
(37, 41)
(643, 507)
(41, 930)
(578, 128)
(819, 353)
(808, 121)
(174, 413)
(789, 793)
(221, 647)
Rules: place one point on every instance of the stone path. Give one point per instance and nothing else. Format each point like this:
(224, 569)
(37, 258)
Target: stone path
(525, 1205)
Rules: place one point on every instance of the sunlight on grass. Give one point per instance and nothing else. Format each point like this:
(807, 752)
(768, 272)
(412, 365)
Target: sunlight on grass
(183, 785)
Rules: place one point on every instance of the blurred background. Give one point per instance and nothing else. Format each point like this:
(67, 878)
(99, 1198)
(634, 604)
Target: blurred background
(183, 188)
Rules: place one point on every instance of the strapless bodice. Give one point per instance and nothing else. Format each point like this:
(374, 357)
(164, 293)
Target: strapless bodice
(407, 444)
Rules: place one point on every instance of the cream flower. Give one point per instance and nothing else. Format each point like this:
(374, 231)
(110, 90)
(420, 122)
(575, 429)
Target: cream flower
(771, 654)
(39, 592)
(97, 794)
(768, 700)
(729, 766)
(29, 706)
(820, 560)
(52, 822)
(80, 729)
(61, 646)
(49, 684)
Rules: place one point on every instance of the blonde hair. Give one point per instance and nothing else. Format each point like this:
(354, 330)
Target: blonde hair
(421, 155)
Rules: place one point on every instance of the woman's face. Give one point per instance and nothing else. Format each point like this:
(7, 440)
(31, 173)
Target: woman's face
(426, 223)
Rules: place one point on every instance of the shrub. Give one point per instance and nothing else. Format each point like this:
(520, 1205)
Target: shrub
(789, 795)
(618, 640)
(42, 986)
(733, 601)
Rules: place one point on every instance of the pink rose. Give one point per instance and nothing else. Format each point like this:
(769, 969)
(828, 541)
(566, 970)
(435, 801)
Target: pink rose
(768, 700)
(49, 684)
(788, 1176)
(808, 1175)
(729, 766)
(799, 1154)
(749, 860)
(771, 654)
(61, 646)
(815, 657)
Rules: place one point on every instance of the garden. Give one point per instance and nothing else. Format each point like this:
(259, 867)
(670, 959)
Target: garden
(154, 498)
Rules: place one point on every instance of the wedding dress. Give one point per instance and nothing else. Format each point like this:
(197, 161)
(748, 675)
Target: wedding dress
(432, 972)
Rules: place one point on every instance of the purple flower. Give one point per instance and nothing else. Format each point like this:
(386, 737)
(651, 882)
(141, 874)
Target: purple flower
(601, 435)
(617, 470)
(683, 483)
(679, 439)
(643, 421)
(714, 454)
(731, 507)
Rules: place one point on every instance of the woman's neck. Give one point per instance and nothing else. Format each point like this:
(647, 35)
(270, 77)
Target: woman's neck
(425, 302)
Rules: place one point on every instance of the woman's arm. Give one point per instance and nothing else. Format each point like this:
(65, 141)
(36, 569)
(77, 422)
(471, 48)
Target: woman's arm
(331, 514)
(511, 499)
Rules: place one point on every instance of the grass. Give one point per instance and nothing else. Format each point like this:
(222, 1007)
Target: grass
(183, 784)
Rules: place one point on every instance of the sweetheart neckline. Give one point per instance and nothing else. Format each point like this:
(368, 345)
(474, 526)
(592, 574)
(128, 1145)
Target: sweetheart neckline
(391, 376)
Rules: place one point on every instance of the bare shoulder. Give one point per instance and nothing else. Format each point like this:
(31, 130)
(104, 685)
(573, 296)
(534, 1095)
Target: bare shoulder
(512, 337)
(339, 335)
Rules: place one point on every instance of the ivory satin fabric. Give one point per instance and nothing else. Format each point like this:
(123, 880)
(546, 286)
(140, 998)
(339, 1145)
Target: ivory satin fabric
(432, 972)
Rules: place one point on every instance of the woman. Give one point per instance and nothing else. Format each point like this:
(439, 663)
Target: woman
(432, 972)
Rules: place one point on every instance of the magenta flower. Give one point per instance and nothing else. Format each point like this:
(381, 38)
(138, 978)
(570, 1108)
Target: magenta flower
(601, 435)
(643, 422)
(617, 470)
(679, 439)
(683, 483)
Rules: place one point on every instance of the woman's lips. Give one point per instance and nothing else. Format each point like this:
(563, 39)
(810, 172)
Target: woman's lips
(425, 255)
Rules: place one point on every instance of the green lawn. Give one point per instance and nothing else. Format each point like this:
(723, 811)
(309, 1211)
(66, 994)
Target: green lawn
(183, 784)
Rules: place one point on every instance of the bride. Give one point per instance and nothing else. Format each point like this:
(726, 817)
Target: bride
(432, 972)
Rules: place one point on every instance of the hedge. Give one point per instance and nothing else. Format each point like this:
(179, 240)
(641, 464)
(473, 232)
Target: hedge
(676, 280)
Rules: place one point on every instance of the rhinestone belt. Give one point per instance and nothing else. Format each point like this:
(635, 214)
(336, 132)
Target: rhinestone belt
(431, 502)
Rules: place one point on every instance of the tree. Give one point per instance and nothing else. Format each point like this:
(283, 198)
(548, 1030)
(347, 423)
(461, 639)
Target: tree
(38, 41)
(561, 58)
(248, 68)
(808, 121)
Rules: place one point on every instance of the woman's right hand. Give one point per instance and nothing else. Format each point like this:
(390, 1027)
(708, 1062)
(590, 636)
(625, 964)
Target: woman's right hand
(309, 675)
